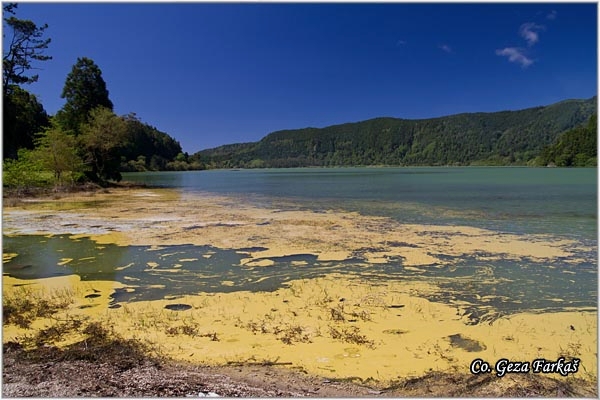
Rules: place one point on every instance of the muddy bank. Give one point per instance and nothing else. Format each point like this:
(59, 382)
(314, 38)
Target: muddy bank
(48, 374)
(334, 326)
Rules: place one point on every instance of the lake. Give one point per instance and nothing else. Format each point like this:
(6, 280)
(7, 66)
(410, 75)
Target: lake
(559, 203)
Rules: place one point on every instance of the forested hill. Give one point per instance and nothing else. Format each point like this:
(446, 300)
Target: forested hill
(498, 138)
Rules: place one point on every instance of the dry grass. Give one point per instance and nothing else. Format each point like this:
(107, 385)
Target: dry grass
(350, 335)
(21, 307)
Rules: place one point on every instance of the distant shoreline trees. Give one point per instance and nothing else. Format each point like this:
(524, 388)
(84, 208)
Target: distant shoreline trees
(500, 138)
(574, 148)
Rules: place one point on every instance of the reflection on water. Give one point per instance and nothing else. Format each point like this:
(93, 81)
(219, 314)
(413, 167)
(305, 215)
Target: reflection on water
(152, 272)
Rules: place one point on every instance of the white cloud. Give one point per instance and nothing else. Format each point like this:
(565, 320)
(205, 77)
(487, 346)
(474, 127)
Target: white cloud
(529, 31)
(446, 48)
(551, 15)
(515, 55)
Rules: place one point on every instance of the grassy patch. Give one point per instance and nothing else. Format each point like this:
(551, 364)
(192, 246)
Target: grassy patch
(98, 344)
(21, 307)
(63, 337)
(294, 334)
(189, 330)
(287, 333)
(350, 335)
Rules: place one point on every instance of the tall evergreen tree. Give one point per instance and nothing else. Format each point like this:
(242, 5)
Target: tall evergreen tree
(84, 91)
(26, 45)
(22, 114)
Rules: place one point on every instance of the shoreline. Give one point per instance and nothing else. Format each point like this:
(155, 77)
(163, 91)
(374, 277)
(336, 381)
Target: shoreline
(367, 337)
(306, 323)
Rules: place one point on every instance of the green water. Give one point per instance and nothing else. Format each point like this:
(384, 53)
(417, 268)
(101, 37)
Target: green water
(520, 200)
(188, 269)
(557, 202)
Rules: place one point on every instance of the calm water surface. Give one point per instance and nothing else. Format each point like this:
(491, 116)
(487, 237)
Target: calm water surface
(558, 202)
(520, 200)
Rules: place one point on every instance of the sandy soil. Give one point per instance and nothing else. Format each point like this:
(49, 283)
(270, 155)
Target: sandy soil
(336, 327)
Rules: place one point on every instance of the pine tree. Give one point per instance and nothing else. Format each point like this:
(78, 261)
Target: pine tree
(84, 91)
(22, 114)
(26, 45)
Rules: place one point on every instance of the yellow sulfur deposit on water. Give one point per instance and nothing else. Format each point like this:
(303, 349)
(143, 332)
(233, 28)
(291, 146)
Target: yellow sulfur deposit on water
(337, 326)
(332, 326)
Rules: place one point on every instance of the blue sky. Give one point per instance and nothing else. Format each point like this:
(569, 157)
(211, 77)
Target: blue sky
(216, 73)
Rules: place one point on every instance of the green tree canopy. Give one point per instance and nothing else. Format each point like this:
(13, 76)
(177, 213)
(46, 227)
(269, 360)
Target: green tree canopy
(84, 90)
(22, 173)
(22, 114)
(577, 147)
(102, 139)
(156, 147)
(23, 117)
(56, 150)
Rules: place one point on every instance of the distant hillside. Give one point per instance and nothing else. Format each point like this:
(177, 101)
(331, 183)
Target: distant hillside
(499, 138)
(577, 147)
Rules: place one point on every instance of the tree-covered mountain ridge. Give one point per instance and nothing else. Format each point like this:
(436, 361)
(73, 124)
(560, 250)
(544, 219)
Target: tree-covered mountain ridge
(481, 138)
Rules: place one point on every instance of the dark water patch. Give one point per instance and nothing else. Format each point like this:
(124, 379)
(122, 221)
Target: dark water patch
(92, 296)
(122, 295)
(157, 271)
(178, 307)
(462, 342)
(509, 286)
(82, 307)
(308, 258)
(22, 267)
(498, 286)
(400, 244)
(192, 227)
(252, 249)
